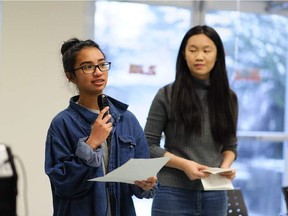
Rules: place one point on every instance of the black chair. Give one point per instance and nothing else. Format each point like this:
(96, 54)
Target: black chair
(8, 188)
(285, 193)
(236, 203)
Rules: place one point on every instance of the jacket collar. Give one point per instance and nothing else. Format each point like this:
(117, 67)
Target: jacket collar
(117, 109)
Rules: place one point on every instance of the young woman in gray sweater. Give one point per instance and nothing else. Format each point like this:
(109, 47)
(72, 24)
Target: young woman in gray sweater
(197, 114)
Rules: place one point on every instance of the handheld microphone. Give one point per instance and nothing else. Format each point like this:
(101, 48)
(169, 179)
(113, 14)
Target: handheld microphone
(103, 102)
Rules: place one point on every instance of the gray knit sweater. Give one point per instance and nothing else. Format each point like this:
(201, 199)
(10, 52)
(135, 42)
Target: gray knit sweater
(201, 149)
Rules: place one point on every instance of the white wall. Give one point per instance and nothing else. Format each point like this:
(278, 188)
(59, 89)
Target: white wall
(32, 84)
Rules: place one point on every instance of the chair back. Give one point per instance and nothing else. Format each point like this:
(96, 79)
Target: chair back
(236, 203)
(285, 193)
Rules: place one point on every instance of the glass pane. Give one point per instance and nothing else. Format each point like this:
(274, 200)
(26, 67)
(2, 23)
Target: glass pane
(257, 67)
(256, 55)
(260, 168)
(142, 49)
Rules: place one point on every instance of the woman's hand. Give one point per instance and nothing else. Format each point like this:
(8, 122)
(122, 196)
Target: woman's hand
(100, 129)
(230, 174)
(194, 170)
(147, 184)
(228, 159)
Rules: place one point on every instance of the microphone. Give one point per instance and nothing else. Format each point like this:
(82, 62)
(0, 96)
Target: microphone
(103, 102)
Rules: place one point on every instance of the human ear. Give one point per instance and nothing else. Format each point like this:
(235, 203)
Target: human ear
(70, 77)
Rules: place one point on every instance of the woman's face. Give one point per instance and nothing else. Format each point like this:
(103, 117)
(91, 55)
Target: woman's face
(200, 55)
(94, 83)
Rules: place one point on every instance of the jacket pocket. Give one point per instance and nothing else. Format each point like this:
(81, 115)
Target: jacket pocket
(127, 146)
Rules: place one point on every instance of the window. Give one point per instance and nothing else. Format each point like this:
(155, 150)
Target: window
(142, 41)
(142, 49)
(257, 67)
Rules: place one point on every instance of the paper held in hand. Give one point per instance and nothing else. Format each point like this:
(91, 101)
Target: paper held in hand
(216, 181)
(135, 169)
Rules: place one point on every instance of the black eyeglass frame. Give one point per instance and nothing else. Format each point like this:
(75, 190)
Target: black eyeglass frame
(95, 66)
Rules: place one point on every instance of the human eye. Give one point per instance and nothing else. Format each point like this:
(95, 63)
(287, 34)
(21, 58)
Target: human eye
(104, 66)
(88, 68)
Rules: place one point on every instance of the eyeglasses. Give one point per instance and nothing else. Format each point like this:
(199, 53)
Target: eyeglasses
(90, 69)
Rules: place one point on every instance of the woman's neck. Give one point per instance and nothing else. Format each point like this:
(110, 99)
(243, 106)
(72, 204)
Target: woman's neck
(89, 102)
(202, 84)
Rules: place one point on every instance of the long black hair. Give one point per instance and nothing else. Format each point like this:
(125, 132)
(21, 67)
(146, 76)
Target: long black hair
(222, 101)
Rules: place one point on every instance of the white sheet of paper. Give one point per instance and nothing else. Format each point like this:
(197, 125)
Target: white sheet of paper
(135, 169)
(215, 181)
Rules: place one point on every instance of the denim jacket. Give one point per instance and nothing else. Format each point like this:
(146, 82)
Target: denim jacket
(70, 162)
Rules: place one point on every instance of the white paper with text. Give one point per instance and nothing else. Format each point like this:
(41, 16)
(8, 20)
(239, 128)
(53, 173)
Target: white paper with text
(216, 181)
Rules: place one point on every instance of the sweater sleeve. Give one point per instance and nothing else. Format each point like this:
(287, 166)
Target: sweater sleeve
(156, 122)
(232, 144)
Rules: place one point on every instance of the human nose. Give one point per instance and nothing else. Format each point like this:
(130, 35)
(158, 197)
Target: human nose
(199, 56)
(97, 71)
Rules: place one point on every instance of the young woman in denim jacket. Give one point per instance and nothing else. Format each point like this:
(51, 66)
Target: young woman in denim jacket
(198, 115)
(76, 147)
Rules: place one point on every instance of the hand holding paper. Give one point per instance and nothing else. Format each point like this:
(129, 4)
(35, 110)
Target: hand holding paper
(147, 184)
(216, 181)
(134, 170)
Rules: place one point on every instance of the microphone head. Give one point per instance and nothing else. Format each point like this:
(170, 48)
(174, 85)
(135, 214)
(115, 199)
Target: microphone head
(102, 101)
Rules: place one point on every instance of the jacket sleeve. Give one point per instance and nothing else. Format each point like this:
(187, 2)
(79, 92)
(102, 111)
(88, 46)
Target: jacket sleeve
(67, 172)
(87, 154)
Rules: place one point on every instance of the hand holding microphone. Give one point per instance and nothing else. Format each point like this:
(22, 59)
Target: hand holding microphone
(102, 104)
(102, 126)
